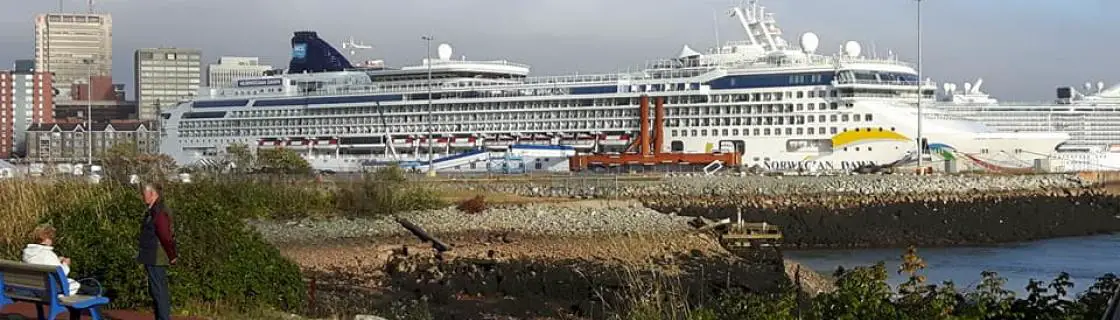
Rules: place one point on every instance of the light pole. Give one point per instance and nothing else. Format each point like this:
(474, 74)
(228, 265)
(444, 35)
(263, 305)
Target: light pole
(920, 147)
(89, 112)
(428, 62)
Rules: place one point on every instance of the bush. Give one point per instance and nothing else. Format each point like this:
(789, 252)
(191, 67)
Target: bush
(220, 259)
(384, 192)
(473, 205)
(251, 198)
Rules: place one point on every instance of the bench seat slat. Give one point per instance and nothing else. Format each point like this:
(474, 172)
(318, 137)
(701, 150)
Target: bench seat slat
(82, 301)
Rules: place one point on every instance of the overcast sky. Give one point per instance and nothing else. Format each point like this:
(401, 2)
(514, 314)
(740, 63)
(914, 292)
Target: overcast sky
(1022, 48)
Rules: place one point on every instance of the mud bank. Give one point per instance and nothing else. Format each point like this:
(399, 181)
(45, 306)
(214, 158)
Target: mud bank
(525, 277)
(851, 220)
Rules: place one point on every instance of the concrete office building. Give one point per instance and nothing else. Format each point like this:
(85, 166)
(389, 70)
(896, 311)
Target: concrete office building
(229, 69)
(26, 98)
(73, 46)
(164, 77)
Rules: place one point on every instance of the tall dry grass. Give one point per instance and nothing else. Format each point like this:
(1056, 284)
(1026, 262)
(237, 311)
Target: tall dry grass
(23, 203)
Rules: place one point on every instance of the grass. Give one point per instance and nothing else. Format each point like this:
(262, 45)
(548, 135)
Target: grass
(26, 202)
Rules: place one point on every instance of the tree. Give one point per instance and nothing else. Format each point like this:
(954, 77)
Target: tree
(240, 156)
(283, 161)
(125, 159)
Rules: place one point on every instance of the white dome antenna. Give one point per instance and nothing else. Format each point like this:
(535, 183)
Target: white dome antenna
(444, 52)
(1100, 86)
(947, 87)
(852, 49)
(952, 87)
(809, 42)
(1088, 86)
(967, 88)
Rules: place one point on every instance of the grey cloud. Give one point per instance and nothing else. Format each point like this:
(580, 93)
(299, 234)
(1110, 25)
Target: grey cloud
(1023, 49)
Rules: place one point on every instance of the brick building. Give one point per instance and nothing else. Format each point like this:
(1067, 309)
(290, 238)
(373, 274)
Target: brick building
(26, 98)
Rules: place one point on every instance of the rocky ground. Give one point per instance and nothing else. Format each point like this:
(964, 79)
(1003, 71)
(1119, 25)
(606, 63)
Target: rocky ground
(582, 218)
(544, 260)
(727, 185)
(572, 260)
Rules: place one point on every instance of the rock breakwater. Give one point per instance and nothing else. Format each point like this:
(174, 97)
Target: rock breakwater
(718, 186)
(934, 219)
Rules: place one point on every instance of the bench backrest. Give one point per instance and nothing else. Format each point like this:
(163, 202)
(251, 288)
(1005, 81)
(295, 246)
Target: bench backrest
(31, 282)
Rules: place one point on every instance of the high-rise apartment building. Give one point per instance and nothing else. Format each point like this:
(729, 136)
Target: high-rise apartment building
(229, 69)
(73, 46)
(164, 77)
(26, 98)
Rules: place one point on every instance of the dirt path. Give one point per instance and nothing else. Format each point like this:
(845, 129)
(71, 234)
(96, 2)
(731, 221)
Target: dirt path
(26, 311)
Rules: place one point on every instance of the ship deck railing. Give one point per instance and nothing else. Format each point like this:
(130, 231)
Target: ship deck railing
(436, 62)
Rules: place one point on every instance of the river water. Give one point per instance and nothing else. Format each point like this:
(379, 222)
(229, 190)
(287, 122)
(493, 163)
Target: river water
(1084, 258)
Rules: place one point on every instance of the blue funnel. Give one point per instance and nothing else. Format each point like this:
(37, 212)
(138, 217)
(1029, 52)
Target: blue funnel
(310, 54)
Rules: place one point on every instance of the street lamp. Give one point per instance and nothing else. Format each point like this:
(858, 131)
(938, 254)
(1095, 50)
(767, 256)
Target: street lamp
(428, 62)
(920, 147)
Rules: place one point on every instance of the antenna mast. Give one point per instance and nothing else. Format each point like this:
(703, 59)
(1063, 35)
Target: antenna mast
(715, 25)
(89, 9)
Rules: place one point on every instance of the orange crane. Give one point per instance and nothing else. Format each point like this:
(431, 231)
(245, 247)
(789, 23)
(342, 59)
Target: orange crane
(650, 151)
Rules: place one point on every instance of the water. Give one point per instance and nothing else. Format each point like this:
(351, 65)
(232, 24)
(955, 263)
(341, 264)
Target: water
(1084, 258)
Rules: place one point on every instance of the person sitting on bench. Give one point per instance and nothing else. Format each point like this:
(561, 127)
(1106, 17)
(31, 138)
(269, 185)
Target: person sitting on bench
(43, 253)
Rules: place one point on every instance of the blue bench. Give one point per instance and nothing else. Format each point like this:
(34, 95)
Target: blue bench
(45, 286)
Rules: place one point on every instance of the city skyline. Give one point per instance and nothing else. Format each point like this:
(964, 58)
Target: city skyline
(1022, 52)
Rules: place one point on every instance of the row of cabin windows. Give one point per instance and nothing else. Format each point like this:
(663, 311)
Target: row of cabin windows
(773, 96)
(762, 108)
(783, 120)
(514, 105)
(765, 131)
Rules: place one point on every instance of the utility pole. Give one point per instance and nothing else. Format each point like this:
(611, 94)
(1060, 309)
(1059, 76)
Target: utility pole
(431, 168)
(920, 149)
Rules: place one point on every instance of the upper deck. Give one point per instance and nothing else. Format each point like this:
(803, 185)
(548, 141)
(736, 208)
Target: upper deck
(763, 60)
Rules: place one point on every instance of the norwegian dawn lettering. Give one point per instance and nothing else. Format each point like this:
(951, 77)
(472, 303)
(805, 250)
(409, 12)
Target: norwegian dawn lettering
(811, 165)
(260, 82)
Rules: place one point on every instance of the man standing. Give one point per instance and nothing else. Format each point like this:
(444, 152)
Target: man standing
(157, 250)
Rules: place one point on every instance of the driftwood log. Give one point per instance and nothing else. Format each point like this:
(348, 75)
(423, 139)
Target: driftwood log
(424, 236)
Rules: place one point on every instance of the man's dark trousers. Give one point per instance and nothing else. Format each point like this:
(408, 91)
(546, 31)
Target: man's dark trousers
(158, 290)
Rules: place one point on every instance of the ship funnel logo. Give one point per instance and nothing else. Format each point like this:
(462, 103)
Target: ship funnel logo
(299, 51)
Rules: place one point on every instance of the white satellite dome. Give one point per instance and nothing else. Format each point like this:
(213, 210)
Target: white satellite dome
(852, 49)
(809, 42)
(444, 52)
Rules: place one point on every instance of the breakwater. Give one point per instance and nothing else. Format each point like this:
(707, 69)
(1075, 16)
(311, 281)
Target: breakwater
(927, 219)
(626, 187)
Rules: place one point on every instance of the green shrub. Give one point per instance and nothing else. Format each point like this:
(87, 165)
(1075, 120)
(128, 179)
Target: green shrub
(384, 192)
(220, 259)
(251, 198)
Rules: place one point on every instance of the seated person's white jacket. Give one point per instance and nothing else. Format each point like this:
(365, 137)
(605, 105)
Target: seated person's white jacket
(40, 254)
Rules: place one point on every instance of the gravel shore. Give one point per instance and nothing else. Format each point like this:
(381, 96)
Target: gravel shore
(597, 217)
(559, 219)
(674, 186)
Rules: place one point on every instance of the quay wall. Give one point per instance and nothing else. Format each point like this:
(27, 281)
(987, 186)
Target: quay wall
(898, 220)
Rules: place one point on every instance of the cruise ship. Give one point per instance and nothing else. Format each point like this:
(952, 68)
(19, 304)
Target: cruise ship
(779, 106)
(1091, 118)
